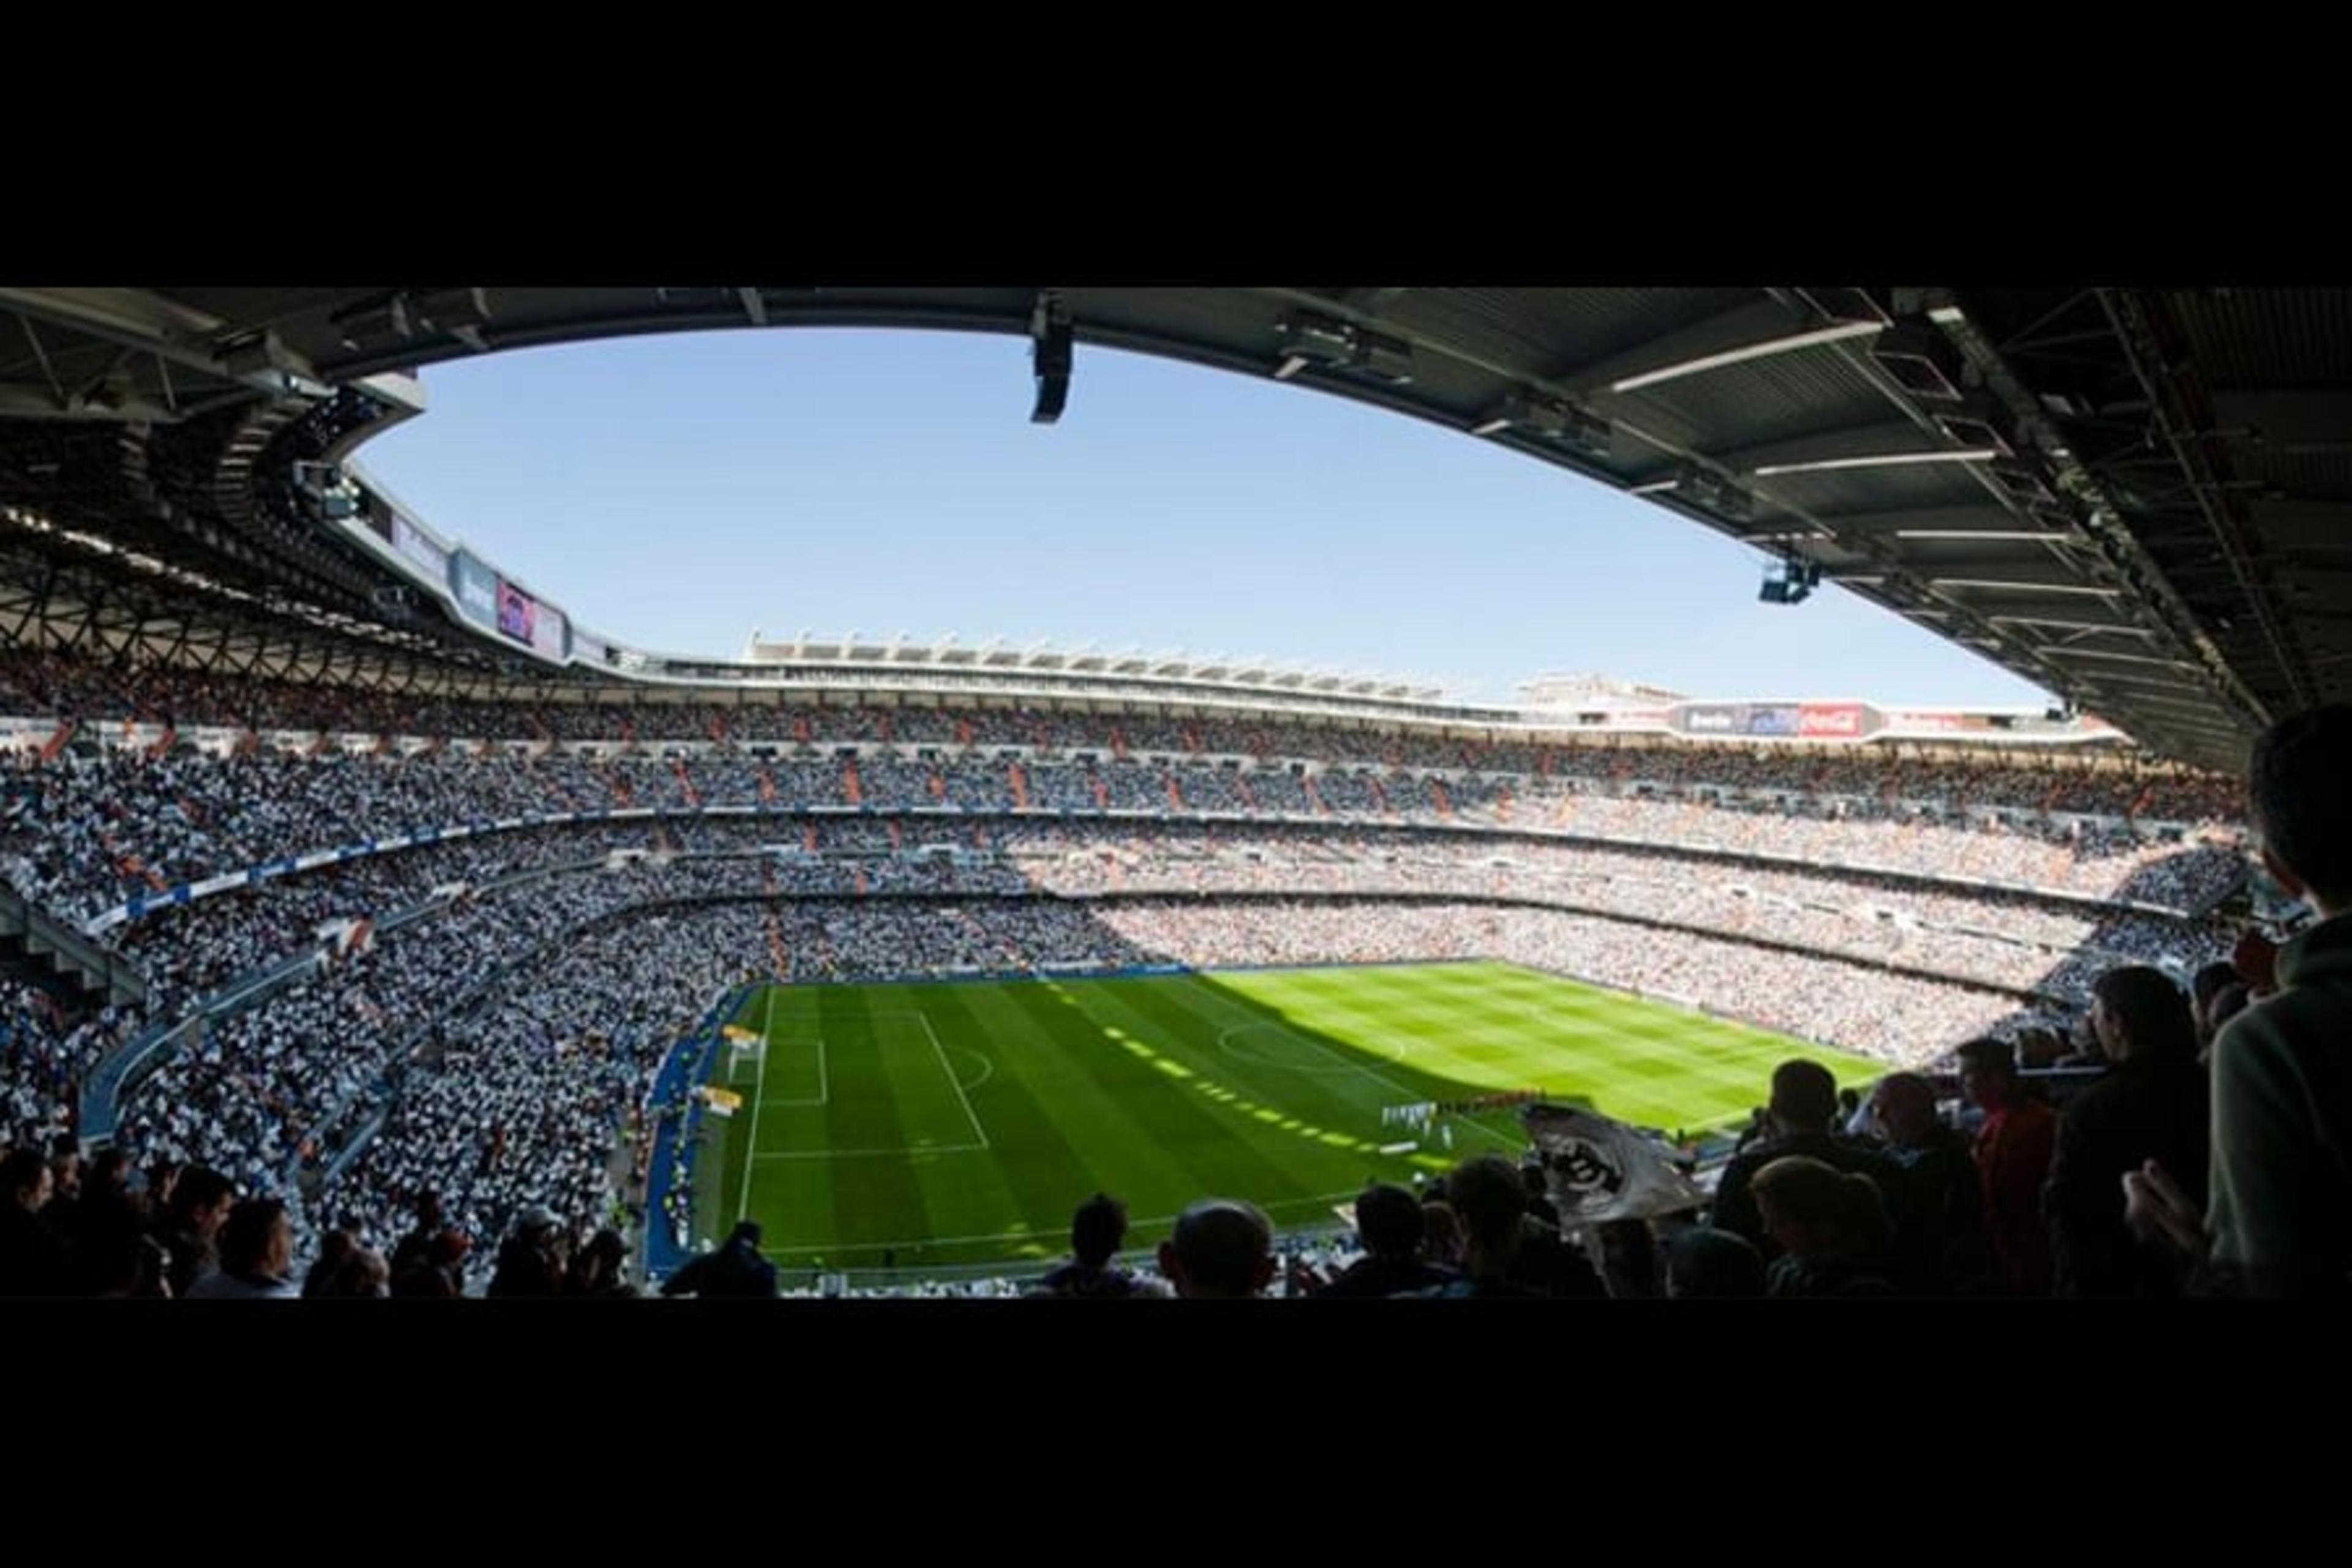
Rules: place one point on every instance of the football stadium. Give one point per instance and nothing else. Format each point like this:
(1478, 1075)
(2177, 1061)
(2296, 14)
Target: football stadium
(373, 926)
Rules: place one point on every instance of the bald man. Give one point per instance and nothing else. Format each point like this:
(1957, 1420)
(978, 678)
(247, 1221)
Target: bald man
(1936, 1198)
(1223, 1250)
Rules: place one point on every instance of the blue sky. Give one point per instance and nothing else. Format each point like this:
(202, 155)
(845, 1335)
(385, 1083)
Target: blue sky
(675, 491)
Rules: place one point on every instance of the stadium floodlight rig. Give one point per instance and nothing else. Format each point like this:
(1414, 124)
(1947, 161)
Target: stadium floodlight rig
(1790, 580)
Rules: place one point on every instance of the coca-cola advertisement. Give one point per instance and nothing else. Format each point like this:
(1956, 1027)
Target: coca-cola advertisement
(1831, 720)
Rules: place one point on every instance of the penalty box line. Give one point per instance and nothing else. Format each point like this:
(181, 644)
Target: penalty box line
(824, 1093)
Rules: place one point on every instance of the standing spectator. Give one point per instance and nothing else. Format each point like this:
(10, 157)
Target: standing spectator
(32, 1257)
(1508, 1251)
(1797, 1120)
(1388, 1220)
(2280, 1218)
(1936, 1199)
(108, 1226)
(2151, 1105)
(2013, 1149)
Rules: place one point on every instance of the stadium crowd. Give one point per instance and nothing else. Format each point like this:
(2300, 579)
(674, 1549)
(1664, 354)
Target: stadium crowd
(489, 1059)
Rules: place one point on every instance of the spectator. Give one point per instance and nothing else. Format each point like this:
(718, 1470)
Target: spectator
(256, 1255)
(2013, 1149)
(1937, 1198)
(437, 1270)
(1222, 1249)
(1705, 1263)
(1390, 1223)
(362, 1274)
(736, 1269)
(1506, 1252)
(1832, 1228)
(2150, 1105)
(601, 1271)
(32, 1257)
(531, 1263)
(1797, 1120)
(190, 1227)
(2280, 1219)
(1098, 1230)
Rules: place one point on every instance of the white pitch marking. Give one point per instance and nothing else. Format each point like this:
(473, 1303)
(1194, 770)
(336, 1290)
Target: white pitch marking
(941, 1051)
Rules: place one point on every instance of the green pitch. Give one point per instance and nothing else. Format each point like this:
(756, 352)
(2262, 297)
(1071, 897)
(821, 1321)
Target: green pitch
(951, 1124)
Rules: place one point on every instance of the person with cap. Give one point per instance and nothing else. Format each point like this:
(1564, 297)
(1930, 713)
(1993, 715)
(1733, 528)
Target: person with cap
(1797, 1120)
(735, 1268)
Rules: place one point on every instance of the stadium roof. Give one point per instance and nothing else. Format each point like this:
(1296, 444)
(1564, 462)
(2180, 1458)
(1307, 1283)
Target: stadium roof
(2136, 499)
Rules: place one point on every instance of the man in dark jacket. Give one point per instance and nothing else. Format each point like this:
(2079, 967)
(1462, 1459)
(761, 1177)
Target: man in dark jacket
(1388, 1220)
(1804, 1107)
(32, 1257)
(736, 1269)
(1937, 1199)
(2150, 1105)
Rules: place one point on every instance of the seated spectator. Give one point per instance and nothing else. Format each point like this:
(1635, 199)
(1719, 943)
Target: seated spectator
(2150, 1105)
(1221, 1250)
(362, 1274)
(1441, 1234)
(334, 1248)
(436, 1270)
(736, 1269)
(1704, 1263)
(256, 1255)
(1832, 1228)
(1391, 1223)
(1098, 1230)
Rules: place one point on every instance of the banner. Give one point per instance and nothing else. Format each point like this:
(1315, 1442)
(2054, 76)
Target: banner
(1597, 1170)
(420, 548)
(477, 588)
(1714, 718)
(1842, 721)
(547, 632)
(518, 613)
